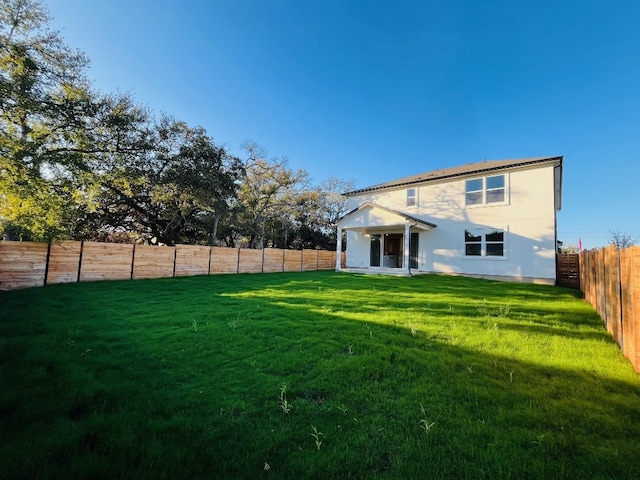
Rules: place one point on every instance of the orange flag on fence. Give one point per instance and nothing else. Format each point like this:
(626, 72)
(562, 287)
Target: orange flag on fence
(579, 244)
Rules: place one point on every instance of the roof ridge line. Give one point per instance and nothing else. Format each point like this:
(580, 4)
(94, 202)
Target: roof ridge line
(467, 169)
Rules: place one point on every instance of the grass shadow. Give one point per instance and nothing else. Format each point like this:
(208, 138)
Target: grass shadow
(402, 377)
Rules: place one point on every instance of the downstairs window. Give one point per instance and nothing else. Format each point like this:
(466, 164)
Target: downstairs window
(483, 242)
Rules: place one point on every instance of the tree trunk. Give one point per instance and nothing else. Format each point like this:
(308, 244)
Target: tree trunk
(214, 233)
(262, 236)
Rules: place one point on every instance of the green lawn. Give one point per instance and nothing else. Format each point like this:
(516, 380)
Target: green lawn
(312, 375)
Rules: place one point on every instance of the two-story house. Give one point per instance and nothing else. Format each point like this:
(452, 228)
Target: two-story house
(493, 219)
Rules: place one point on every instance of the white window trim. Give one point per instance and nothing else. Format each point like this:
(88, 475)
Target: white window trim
(507, 195)
(415, 197)
(483, 242)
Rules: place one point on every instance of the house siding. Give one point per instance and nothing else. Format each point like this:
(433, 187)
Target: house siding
(527, 216)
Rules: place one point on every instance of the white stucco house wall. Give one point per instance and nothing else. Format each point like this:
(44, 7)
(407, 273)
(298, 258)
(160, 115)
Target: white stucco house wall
(492, 219)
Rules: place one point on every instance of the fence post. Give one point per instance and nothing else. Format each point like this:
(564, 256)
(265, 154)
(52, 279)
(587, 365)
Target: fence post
(133, 259)
(80, 260)
(46, 265)
(620, 304)
(86, 261)
(175, 258)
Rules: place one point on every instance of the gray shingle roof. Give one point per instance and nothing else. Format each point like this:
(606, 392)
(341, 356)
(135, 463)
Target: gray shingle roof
(468, 169)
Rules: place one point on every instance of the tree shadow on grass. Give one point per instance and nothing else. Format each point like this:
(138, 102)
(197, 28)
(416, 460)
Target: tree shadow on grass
(493, 416)
(196, 390)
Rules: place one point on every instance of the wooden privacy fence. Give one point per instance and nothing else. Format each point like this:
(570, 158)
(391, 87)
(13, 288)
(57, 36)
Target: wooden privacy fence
(610, 281)
(26, 264)
(568, 270)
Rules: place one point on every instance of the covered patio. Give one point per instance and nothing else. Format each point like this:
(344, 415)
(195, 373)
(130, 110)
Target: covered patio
(393, 238)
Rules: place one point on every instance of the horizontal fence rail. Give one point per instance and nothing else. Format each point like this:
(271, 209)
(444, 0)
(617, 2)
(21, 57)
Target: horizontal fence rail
(27, 264)
(610, 281)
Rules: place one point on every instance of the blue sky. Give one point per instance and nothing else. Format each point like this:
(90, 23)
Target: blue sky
(373, 91)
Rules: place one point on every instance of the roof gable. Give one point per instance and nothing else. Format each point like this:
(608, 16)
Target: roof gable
(370, 214)
(468, 169)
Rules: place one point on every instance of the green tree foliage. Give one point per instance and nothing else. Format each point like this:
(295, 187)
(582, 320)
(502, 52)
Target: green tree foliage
(43, 95)
(199, 181)
(279, 207)
(78, 164)
(333, 206)
(174, 187)
(75, 164)
(158, 180)
(268, 198)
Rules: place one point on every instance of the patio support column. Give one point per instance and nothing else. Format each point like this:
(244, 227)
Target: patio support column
(405, 252)
(338, 249)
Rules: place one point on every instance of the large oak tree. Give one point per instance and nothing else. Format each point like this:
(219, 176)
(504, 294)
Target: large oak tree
(79, 164)
(43, 97)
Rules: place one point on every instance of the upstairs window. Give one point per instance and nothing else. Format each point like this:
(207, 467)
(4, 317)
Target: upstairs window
(411, 197)
(475, 189)
(482, 242)
(495, 189)
(486, 190)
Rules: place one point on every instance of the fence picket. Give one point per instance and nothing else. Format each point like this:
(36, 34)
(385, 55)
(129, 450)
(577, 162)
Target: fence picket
(610, 281)
(28, 264)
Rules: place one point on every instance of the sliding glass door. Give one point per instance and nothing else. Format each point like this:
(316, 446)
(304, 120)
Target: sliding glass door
(375, 251)
(413, 250)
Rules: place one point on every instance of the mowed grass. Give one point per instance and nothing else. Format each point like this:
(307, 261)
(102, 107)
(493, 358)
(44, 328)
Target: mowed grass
(312, 375)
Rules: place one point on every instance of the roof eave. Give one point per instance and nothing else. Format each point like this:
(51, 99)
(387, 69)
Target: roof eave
(388, 186)
(408, 218)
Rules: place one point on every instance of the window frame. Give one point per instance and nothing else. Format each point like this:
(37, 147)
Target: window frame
(485, 193)
(413, 197)
(470, 236)
(492, 242)
(472, 233)
(488, 189)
